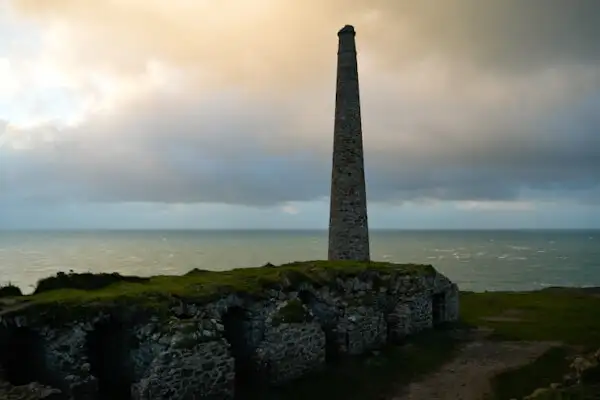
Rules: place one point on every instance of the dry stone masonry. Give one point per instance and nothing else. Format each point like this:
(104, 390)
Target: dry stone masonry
(196, 349)
(348, 225)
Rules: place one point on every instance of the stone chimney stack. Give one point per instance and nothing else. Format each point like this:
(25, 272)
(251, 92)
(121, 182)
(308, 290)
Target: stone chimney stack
(348, 227)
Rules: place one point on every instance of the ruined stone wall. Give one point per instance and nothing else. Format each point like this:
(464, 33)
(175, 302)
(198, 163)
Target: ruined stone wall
(288, 351)
(421, 312)
(199, 348)
(183, 370)
(364, 328)
(399, 322)
(452, 303)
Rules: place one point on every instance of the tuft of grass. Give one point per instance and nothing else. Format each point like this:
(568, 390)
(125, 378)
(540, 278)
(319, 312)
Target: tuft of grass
(10, 290)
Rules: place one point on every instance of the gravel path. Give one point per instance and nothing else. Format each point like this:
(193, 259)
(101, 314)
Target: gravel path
(467, 377)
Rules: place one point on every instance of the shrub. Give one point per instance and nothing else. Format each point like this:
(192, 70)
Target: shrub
(84, 281)
(10, 290)
(196, 271)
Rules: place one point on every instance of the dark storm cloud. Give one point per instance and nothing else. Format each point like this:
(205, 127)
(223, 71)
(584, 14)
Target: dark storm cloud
(507, 36)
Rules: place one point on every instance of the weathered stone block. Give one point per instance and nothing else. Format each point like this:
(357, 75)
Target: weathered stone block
(452, 303)
(421, 312)
(204, 370)
(365, 328)
(290, 351)
(399, 322)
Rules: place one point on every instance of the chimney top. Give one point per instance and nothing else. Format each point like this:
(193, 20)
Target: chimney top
(347, 29)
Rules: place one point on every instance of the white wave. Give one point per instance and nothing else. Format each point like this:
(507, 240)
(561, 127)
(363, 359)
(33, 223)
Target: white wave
(520, 247)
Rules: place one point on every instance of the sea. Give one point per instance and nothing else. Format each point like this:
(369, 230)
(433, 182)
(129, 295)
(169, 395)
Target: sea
(484, 260)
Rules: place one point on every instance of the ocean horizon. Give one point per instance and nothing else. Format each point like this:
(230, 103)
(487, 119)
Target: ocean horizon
(477, 260)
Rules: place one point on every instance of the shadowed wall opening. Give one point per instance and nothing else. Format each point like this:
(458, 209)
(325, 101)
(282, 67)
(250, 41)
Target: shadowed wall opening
(438, 308)
(332, 348)
(235, 333)
(22, 356)
(108, 349)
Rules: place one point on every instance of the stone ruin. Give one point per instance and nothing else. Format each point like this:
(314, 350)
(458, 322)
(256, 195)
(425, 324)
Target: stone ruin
(208, 350)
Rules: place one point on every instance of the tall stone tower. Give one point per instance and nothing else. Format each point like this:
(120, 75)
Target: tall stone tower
(348, 227)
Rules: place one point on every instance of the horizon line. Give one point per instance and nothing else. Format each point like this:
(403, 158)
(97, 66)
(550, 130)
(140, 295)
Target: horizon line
(284, 229)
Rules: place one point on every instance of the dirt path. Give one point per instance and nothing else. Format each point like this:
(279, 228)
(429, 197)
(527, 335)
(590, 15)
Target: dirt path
(467, 377)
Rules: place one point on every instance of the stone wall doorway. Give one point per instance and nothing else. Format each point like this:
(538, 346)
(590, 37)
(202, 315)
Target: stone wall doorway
(439, 308)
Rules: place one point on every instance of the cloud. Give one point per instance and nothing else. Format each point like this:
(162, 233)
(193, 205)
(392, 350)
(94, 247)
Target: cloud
(501, 206)
(183, 102)
(266, 39)
(290, 209)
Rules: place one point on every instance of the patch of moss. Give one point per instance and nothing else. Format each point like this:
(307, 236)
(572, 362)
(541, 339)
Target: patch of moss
(68, 296)
(10, 290)
(293, 312)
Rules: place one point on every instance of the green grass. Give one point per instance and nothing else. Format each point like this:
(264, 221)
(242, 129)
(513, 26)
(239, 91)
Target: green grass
(154, 294)
(568, 316)
(520, 382)
(372, 377)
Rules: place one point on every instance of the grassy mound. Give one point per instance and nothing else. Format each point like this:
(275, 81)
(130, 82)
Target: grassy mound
(64, 295)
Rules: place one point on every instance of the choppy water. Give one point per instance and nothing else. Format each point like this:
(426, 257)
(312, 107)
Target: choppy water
(476, 260)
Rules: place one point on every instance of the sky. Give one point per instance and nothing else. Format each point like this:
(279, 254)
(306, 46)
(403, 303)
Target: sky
(205, 114)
